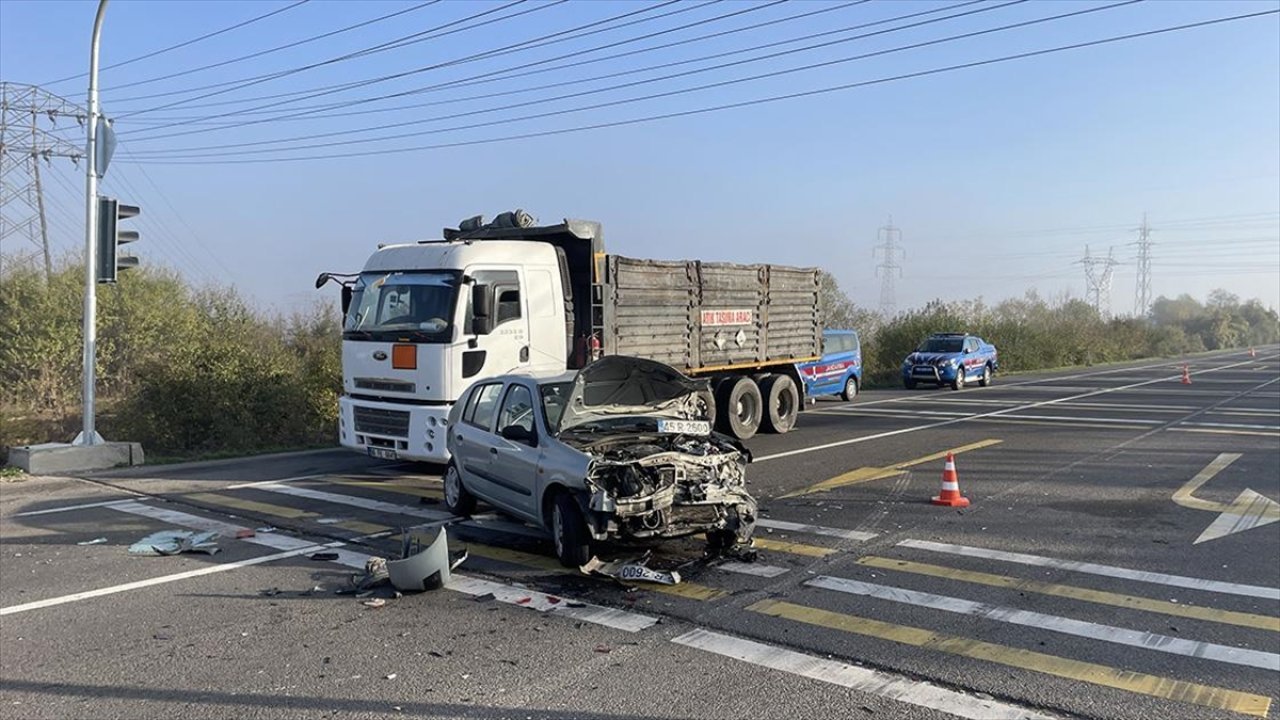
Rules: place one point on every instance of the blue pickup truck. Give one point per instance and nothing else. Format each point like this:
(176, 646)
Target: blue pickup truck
(951, 359)
(839, 371)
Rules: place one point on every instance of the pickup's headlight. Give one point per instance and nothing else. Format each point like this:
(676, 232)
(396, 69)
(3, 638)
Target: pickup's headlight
(953, 362)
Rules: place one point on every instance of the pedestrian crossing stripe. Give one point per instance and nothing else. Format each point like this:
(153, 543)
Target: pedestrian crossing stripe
(261, 508)
(434, 493)
(1100, 597)
(1141, 683)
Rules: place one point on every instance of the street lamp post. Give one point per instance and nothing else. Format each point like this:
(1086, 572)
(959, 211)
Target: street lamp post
(89, 435)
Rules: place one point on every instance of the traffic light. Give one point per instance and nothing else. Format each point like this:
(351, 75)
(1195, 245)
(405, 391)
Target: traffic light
(110, 238)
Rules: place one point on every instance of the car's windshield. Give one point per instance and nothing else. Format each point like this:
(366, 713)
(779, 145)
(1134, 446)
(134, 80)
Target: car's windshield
(555, 397)
(941, 345)
(402, 305)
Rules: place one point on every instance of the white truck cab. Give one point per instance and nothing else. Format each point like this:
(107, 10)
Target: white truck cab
(424, 321)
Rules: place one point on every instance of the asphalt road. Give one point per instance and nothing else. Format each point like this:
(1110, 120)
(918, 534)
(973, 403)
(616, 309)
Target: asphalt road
(1120, 559)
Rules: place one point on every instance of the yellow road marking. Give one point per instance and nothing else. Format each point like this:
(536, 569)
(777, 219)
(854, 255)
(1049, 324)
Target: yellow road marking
(1100, 597)
(867, 474)
(252, 506)
(1183, 495)
(793, 548)
(401, 488)
(693, 591)
(1166, 688)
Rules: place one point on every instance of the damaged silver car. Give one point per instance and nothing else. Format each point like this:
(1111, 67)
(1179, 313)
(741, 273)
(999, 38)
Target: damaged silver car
(620, 450)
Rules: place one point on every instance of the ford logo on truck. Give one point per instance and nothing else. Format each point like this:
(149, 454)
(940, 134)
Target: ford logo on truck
(379, 355)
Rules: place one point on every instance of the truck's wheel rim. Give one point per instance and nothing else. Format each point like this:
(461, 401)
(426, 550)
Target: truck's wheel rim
(452, 486)
(784, 407)
(746, 409)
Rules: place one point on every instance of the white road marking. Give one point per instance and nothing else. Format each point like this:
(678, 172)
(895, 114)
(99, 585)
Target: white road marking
(354, 501)
(554, 604)
(1094, 569)
(1055, 623)
(1239, 426)
(856, 535)
(994, 413)
(65, 508)
(237, 486)
(756, 569)
(492, 523)
(875, 682)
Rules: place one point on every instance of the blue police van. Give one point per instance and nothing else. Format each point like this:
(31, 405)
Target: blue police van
(839, 370)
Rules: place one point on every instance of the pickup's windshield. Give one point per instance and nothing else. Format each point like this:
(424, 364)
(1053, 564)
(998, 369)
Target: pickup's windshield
(402, 306)
(941, 345)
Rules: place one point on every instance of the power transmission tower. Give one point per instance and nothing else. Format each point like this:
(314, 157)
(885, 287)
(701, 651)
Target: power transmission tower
(29, 135)
(1097, 275)
(1142, 291)
(890, 238)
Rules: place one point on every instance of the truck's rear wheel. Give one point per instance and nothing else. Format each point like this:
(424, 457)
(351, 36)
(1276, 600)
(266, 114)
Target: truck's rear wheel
(781, 403)
(739, 406)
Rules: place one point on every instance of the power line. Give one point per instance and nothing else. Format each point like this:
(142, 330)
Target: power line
(186, 43)
(620, 86)
(275, 49)
(510, 73)
(746, 103)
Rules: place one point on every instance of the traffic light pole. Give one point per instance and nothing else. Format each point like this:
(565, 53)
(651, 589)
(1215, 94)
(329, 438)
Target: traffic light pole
(89, 435)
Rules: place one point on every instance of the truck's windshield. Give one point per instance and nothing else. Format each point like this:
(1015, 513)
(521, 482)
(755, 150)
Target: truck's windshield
(941, 345)
(402, 306)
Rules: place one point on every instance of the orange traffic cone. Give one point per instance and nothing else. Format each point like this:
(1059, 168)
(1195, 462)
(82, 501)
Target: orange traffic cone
(950, 495)
(1186, 374)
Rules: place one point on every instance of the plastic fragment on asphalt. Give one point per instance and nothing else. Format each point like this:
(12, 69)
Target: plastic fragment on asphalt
(630, 569)
(374, 602)
(324, 556)
(423, 568)
(174, 542)
(244, 533)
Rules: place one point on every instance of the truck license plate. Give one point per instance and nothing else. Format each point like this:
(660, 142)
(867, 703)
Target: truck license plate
(685, 427)
(382, 453)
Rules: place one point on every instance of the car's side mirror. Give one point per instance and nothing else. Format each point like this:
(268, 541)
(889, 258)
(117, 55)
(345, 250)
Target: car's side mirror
(520, 434)
(481, 309)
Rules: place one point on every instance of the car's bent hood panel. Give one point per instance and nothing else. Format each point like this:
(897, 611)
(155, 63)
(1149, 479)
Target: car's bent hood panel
(618, 385)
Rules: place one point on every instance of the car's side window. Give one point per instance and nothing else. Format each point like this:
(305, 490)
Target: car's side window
(517, 409)
(481, 408)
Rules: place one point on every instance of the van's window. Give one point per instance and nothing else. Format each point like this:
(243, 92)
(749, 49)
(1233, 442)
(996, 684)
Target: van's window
(480, 410)
(508, 304)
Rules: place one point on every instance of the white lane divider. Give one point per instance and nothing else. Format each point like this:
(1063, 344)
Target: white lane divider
(1055, 623)
(65, 508)
(895, 687)
(841, 533)
(1095, 569)
(354, 501)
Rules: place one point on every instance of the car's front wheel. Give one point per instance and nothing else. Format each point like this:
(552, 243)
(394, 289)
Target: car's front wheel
(958, 383)
(456, 498)
(985, 380)
(850, 389)
(569, 532)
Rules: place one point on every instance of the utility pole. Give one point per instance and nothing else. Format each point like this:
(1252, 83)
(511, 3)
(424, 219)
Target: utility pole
(29, 135)
(890, 239)
(1097, 275)
(1142, 291)
(89, 435)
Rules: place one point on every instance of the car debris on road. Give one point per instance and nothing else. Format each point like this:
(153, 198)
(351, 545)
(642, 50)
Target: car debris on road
(630, 569)
(174, 542)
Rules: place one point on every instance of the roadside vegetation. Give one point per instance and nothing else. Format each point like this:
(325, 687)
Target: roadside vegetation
(197, 372)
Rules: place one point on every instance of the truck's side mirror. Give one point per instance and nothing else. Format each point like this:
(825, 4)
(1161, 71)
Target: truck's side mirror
(481, 309)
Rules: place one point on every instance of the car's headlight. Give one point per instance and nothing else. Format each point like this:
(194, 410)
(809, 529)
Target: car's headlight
(953, 362)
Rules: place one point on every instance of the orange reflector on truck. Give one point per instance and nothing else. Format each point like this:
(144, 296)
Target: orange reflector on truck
(404, 357)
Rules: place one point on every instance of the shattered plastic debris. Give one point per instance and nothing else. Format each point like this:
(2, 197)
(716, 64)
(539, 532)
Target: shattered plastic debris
(95, 541)
(324, 556)
(630, 569)
(423, 568)
(266, 529)
(244, 533)
(173, 542)
(374, 602)
(375, 574)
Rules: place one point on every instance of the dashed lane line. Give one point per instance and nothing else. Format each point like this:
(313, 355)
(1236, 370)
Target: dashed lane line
(1152, 685)
(894, 687)
(1098, 597)
(1217, 586)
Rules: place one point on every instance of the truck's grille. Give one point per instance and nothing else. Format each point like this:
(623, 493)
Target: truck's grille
(377, 421)
(391, 385)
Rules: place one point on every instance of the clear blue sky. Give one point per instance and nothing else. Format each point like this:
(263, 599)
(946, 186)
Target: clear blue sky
(998, 176)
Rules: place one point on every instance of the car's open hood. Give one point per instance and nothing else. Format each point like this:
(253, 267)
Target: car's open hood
(618, 385)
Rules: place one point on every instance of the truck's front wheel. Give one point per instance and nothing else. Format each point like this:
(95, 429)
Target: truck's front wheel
(781, 403)
(740, 405)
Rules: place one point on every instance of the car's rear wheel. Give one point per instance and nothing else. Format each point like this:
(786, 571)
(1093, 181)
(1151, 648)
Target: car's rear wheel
(850, 389)
(781, 403)
(456, 497)
(985, 380)
(958, 383)
(740, 405)
(569, 532)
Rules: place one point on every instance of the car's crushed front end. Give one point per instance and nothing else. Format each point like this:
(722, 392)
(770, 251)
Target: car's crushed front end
(656, 470)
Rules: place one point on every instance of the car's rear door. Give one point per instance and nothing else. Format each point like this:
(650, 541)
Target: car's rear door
(514, 465)
(474, 439)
